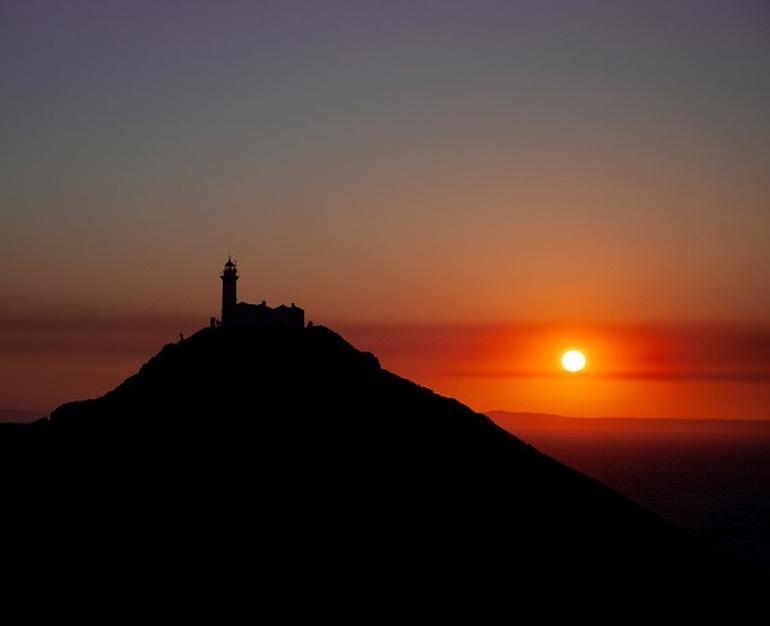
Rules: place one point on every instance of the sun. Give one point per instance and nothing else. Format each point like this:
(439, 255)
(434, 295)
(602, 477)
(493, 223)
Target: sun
(573, 360)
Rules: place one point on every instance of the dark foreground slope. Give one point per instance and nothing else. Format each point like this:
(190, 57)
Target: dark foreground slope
(290, 456)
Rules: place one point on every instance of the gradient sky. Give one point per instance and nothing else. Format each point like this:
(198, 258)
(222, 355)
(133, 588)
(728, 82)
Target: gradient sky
(463, 186)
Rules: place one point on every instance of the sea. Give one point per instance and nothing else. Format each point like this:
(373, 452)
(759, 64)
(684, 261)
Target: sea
(713, 483)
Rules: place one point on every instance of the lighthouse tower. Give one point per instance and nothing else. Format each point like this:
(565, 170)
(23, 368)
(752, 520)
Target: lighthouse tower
(229, 290)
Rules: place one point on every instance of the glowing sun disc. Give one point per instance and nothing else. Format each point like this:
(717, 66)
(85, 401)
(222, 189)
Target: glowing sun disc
(573, 360)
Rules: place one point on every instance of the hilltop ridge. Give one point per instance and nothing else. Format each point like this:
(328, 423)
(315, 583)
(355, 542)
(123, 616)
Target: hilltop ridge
(296, 445)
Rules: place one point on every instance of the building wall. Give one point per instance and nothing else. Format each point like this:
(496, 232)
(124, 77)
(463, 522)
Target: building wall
(260, 315)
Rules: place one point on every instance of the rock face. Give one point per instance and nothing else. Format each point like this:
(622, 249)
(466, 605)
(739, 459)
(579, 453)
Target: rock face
(288, 450)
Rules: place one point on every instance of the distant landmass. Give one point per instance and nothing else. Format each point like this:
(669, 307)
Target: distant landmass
(544, 422)
(290, 452)
(17, 415)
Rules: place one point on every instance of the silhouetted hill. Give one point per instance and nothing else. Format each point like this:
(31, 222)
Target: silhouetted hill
(289, 455)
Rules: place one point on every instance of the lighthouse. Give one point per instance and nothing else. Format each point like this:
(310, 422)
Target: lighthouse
(236, 313)
(229, 289)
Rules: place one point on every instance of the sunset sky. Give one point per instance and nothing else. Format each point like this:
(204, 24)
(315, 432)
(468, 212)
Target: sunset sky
(465, 188)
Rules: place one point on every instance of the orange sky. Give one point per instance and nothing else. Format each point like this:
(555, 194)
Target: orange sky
(634, 369)
(638, 370)
(450, 184)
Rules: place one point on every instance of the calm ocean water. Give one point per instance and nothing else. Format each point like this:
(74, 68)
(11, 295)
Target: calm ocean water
(716, 487)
